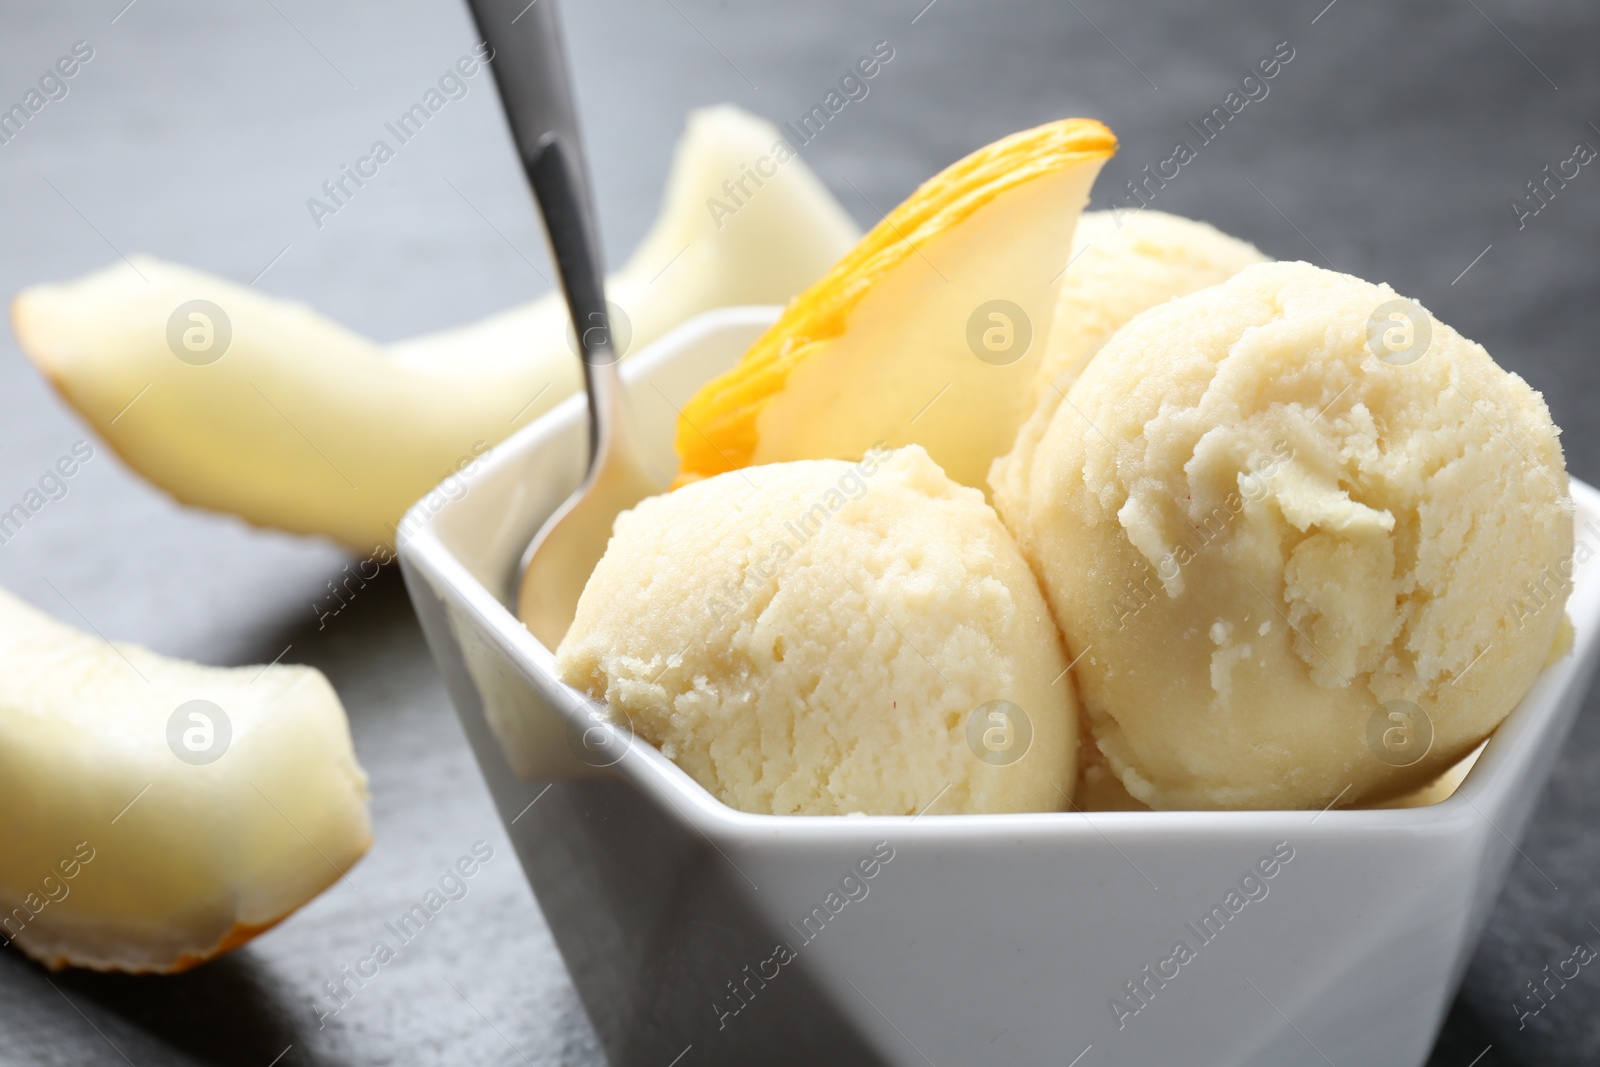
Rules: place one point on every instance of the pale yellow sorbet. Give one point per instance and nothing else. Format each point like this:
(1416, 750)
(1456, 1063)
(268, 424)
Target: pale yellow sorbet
(1259, 536)
(1122, 263)
(817, 637)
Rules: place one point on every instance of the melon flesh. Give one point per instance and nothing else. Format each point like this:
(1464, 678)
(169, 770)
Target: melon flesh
(118, 854)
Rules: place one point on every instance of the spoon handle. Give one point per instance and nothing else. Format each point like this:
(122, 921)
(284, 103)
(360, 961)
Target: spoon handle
(530, 69)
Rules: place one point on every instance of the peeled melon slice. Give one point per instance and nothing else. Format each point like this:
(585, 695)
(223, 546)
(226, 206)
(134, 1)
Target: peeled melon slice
(303, 425)
(929, 331)
(141, 828)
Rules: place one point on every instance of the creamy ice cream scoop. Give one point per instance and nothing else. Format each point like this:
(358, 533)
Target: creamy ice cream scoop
(823, 637)
(1122, 263)
(1310, 543)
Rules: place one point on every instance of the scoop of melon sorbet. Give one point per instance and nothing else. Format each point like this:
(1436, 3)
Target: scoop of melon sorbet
(823, 637)
(1122, 263)
(1310, 543)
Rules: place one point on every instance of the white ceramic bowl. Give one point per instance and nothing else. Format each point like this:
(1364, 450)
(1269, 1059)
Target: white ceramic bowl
(694, 930)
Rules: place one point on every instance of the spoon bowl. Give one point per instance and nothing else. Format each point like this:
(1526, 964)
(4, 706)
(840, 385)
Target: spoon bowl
(566, 548)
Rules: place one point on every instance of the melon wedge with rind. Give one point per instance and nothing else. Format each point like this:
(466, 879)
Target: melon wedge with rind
(897, 344)
(303, 425)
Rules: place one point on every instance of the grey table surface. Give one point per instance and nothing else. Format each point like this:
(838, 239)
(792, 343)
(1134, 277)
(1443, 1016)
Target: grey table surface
(1389, 147)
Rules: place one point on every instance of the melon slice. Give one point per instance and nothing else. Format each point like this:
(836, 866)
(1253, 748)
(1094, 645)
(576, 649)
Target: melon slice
(158, 812)
(928, 332)
(276, 414)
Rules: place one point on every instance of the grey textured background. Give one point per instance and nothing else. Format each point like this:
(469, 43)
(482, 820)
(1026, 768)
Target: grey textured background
(1388, 147)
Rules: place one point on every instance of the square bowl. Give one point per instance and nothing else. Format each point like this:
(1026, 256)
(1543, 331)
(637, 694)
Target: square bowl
(691, 930)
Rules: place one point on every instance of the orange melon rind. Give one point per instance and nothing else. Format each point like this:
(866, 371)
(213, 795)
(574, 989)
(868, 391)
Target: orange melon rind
(717, 430)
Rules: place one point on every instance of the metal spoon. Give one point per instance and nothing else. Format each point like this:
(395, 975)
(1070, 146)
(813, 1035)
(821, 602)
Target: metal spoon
(530, 69)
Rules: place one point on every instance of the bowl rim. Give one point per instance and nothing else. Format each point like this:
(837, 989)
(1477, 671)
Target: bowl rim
(1533, 727)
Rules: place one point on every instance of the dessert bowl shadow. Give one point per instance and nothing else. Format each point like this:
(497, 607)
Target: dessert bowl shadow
(1259, 938)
